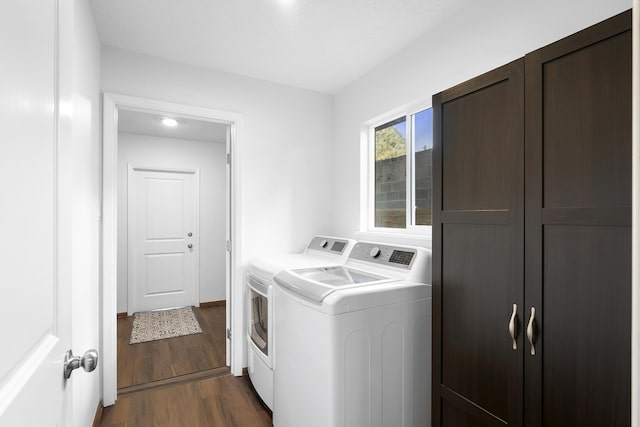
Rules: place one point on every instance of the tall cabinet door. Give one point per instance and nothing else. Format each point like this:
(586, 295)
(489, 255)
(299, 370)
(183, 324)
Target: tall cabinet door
(478, 250)
(578, 229)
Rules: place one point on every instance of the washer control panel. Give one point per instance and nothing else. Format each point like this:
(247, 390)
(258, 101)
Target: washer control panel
(395, 256)
(328, 244)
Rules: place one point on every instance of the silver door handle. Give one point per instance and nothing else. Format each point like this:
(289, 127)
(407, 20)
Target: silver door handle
(190, 246)
(88, 361)
(512, 326)
(530, 330)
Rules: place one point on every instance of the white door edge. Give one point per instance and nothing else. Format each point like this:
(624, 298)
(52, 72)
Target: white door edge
(112, 102)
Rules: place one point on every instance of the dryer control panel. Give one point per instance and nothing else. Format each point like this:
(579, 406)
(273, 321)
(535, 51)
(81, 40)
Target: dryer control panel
(391, 256)
(328, 244)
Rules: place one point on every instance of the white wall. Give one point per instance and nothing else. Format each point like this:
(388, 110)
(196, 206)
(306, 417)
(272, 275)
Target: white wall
(210, 158)
(85, 239)
(480, 37)
(285, 148)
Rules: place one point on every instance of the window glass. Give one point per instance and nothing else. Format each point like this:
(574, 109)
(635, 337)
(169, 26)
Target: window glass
(402, 172)
(423, 146)
(391, 174)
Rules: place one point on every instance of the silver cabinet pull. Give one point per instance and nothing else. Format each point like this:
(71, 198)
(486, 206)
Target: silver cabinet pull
(530, 331)
(512, 326)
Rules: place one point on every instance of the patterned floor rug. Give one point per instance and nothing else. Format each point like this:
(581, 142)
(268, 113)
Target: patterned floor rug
(158, 325)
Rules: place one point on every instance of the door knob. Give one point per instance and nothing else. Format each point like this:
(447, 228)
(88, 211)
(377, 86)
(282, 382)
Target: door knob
(189, 234)
(190, 246)
(88, 361)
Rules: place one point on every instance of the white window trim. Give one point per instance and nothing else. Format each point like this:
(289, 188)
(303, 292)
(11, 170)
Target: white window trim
(367, 194)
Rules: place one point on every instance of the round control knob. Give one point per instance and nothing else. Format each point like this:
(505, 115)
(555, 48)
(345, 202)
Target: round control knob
(375, 252)
(324, 244)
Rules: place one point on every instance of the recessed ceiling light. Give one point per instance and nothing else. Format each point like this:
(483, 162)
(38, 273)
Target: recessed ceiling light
(167, 121)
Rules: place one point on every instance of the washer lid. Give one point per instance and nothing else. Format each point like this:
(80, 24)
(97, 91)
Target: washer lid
(317, 283)
(267, 267)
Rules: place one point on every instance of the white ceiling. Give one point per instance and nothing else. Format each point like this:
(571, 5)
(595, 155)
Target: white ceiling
(151, 124)
(321, 45)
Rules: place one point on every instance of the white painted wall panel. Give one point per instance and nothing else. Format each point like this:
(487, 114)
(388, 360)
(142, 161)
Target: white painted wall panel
(169, 153)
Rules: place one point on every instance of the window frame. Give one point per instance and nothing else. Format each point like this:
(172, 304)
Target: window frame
(369, 192)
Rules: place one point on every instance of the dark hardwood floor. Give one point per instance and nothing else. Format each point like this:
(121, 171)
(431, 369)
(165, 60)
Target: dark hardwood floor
(182, 381)
(172, 357)
(221, 401)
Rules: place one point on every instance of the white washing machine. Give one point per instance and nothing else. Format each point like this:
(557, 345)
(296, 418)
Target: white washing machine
(321, 251)
(354, 341)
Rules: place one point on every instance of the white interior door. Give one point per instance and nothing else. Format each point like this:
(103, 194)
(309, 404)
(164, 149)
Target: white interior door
(35, 218)
(163, 239)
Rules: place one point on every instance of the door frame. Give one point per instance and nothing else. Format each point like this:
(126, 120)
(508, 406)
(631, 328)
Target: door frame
(112, 102)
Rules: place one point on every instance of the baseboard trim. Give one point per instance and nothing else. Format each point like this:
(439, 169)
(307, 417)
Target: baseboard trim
(98, 417)
(196, 376)
(202, 305)
(213, 303)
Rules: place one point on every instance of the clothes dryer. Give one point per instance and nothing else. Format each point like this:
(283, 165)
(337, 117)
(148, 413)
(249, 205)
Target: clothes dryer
(359, 350)
(321, 251)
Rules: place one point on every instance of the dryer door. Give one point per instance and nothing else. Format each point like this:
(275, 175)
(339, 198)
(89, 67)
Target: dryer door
(259, 314)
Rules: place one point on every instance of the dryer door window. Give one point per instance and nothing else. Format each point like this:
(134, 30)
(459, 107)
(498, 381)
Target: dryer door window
(260, 321)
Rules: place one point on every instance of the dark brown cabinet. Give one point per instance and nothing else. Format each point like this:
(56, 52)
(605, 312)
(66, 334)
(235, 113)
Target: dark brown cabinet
(478, 246)
(532, 238)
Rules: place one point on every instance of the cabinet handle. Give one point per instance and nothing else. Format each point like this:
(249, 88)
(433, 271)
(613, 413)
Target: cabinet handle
(530, 331)
(512, 326)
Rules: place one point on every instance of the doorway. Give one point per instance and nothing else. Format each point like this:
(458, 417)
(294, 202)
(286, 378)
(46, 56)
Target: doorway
(167, 163)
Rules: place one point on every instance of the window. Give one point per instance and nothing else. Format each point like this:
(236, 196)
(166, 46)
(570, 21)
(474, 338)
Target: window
(401, 172)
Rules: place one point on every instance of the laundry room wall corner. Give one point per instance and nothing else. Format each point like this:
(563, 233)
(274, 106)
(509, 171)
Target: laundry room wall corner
(283, 184)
